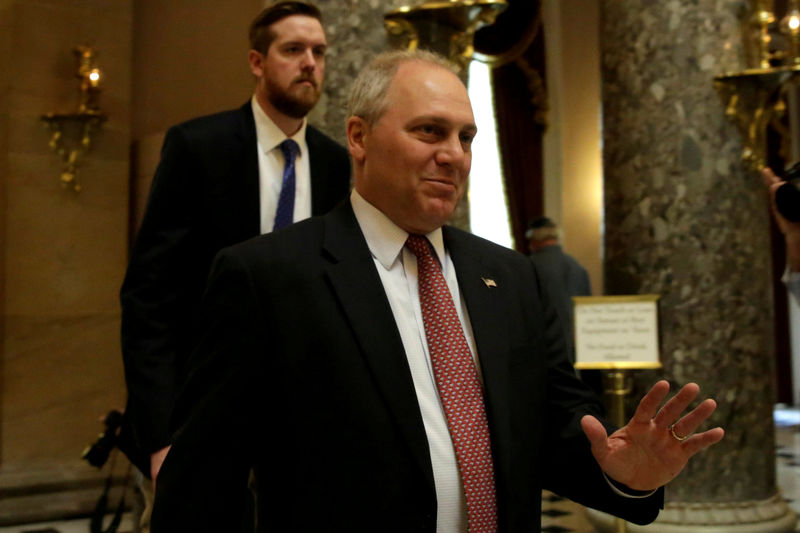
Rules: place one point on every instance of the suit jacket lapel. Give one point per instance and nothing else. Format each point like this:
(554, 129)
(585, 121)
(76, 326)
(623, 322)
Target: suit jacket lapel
(358, 287)
(319, 167)
(330, 178)
(487, 315)
(246, 136)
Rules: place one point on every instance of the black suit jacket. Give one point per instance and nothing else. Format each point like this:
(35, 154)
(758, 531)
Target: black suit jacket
(301, 374)
(204, 196)
(562, 277)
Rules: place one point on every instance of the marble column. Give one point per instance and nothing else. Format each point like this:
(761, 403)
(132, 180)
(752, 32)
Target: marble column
(355, 35)
(685, 219)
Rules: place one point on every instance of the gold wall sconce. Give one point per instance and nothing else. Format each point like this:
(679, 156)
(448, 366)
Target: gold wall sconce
(757, 36)
(445, 26)
(753, 97)
(752, 100)
(72, 133)
(790, 27)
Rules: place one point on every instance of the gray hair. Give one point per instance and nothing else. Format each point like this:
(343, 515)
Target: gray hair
(368, 93)
(543, 229)
(543, 234)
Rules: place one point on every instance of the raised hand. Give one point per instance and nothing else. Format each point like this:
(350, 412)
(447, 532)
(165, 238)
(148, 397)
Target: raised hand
(656, 443)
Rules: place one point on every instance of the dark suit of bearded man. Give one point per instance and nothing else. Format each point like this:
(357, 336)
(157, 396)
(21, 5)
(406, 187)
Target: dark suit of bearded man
(301, 374)
(204, 197)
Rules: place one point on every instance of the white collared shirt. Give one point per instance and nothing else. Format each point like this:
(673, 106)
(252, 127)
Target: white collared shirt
(270, 169)
(397, 268)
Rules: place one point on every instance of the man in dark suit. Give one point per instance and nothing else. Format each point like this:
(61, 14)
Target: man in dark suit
(222, 179)
(325, 365)
(562, 276)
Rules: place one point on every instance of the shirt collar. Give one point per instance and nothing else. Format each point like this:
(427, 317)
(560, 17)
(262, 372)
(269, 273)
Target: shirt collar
(386, 239)
(269, 135)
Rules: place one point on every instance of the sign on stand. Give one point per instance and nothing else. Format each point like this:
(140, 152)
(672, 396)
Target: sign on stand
(616, 332)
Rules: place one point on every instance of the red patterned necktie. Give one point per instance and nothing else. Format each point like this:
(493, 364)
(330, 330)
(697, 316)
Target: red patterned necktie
(459, 388)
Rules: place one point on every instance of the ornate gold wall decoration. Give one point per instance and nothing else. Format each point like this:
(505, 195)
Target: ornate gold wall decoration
(71, 136)
(753, 96)
(446, 27)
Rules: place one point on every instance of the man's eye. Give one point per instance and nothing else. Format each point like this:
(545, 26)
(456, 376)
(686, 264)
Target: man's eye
(467, 139)
(319, 52)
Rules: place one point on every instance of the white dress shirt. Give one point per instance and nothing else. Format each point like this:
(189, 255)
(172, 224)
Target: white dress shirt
(270, 169)
(397, 268)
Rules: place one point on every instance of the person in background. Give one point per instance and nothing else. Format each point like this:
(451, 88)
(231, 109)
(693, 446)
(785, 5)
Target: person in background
(561, 275)
(222, 179)
(791, 234)
(381, 371)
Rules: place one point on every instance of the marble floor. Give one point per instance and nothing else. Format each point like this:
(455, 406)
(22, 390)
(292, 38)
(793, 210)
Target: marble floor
(558, 515)
(787, 455)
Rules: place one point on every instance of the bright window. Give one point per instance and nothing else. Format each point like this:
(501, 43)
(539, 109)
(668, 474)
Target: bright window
(487, 205)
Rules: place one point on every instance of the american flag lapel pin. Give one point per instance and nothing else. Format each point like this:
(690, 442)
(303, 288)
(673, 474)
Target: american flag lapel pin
(489, 282)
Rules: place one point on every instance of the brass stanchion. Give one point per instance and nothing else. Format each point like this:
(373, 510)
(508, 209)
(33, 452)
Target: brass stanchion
(616, 334)
(617, 385)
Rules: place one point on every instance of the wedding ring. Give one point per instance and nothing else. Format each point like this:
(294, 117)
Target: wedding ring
(678, 437)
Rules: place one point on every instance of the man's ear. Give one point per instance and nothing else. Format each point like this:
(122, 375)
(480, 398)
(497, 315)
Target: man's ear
(357, 131)
(256, 60)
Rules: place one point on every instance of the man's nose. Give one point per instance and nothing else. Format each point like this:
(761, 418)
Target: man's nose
(451, 151)
(308, 62)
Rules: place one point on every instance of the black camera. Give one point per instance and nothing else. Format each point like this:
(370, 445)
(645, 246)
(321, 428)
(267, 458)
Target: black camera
(787, 196)
(97, 453)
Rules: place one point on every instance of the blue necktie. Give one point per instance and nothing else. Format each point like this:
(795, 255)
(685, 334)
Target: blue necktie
(285, 212)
